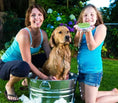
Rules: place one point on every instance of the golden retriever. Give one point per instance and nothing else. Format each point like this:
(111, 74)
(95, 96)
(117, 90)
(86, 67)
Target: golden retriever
(58, 64)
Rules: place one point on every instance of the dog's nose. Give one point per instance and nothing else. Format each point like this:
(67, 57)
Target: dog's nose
(67, 38)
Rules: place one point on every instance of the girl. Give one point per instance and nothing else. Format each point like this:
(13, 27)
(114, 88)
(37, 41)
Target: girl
(89, 57)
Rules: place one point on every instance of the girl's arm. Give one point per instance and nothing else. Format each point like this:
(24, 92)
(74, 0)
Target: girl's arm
(94, 41)
(24, 45)
(77, 38)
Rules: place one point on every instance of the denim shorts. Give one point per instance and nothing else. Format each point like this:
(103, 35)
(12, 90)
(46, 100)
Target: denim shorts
(92, 79)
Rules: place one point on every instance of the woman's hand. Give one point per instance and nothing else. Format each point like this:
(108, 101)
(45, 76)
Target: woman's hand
(52, 78)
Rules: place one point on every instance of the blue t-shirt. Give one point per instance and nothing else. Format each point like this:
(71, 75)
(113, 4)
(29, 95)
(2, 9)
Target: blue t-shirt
(89, 61)
(13, 52)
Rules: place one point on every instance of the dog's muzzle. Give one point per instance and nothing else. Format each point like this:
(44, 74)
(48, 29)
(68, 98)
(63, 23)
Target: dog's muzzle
(67, 38)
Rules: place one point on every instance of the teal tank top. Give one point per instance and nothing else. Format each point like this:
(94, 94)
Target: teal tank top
(13, 52)
(89, 61)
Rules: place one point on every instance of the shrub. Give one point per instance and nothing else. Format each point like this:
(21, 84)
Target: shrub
(55, 19)
(10, 27)
(112, 42)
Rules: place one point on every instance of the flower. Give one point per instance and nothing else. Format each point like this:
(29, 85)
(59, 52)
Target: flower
(49, 11)
(72, 17)
(58, 18)
(70, 23)
(50, 26)
(61, 24)
(70, 29)
(75, 22)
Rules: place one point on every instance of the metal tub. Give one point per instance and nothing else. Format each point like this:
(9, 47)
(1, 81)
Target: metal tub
(57, 91)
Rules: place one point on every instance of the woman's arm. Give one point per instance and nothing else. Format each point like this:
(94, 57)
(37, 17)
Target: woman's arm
(46, 46)
(24, 45)
(94, 41)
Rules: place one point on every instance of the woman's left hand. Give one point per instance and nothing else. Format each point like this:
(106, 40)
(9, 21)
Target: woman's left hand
(52, 78)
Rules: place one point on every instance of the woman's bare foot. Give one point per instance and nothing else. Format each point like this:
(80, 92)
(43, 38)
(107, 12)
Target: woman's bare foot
(115, 91)
(10, 93)
(25, 82)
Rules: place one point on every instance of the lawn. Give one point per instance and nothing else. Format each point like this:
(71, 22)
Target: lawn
(109, 81)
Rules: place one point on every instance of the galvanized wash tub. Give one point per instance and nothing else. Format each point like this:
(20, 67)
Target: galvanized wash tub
(58, 91)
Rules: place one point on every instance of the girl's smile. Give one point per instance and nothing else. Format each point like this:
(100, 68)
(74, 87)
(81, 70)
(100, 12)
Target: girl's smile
(90, 16)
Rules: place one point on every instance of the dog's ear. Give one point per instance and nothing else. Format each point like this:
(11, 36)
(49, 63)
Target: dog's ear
(51, 41)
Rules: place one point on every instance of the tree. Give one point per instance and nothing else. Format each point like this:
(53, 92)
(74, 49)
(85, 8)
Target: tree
(17, 6)
(31, 2)
(1, 5)
(114, 11)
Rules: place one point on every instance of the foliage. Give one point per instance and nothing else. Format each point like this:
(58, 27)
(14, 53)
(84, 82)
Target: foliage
(10, 27)
(55, 19)
(2, 52)
(74, 6)
(114, 11)
(105, 14)
(104, 51)
(17, 6)
(110, 14)
(62, 17)
(112, 42)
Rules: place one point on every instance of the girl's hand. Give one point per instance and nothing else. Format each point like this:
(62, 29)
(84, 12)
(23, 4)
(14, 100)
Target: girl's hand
(89, 29)
(84, 30)
(77, 28)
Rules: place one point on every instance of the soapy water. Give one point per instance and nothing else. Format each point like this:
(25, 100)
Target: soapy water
(25, 99)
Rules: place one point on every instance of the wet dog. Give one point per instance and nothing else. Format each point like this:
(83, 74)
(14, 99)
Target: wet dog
(58, 64)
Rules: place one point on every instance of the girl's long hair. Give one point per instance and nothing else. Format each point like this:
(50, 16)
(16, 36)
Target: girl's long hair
(99, 16)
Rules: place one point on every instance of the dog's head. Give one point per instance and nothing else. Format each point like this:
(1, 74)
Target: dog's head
(61, 35)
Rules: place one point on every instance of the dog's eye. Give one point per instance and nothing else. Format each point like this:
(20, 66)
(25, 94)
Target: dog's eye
(60, 32)
(68, 31)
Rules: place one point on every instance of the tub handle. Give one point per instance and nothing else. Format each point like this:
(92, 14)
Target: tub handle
(45, 85)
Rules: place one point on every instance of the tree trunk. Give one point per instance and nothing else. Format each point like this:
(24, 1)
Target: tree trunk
(1, 24)
(31, 2)
(1, 5)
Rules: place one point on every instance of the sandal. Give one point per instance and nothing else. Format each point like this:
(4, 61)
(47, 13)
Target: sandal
(23, 88)
(11, 95)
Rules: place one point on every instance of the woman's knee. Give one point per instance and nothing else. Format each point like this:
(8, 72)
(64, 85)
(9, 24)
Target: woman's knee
(21, 69)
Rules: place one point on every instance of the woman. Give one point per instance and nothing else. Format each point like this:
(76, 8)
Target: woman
(17, 61)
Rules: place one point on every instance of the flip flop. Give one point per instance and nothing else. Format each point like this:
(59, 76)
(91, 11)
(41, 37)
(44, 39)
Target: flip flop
(24, 88)
(12, 95)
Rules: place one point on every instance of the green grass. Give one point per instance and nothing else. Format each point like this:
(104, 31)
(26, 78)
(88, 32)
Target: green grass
(109, 80)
